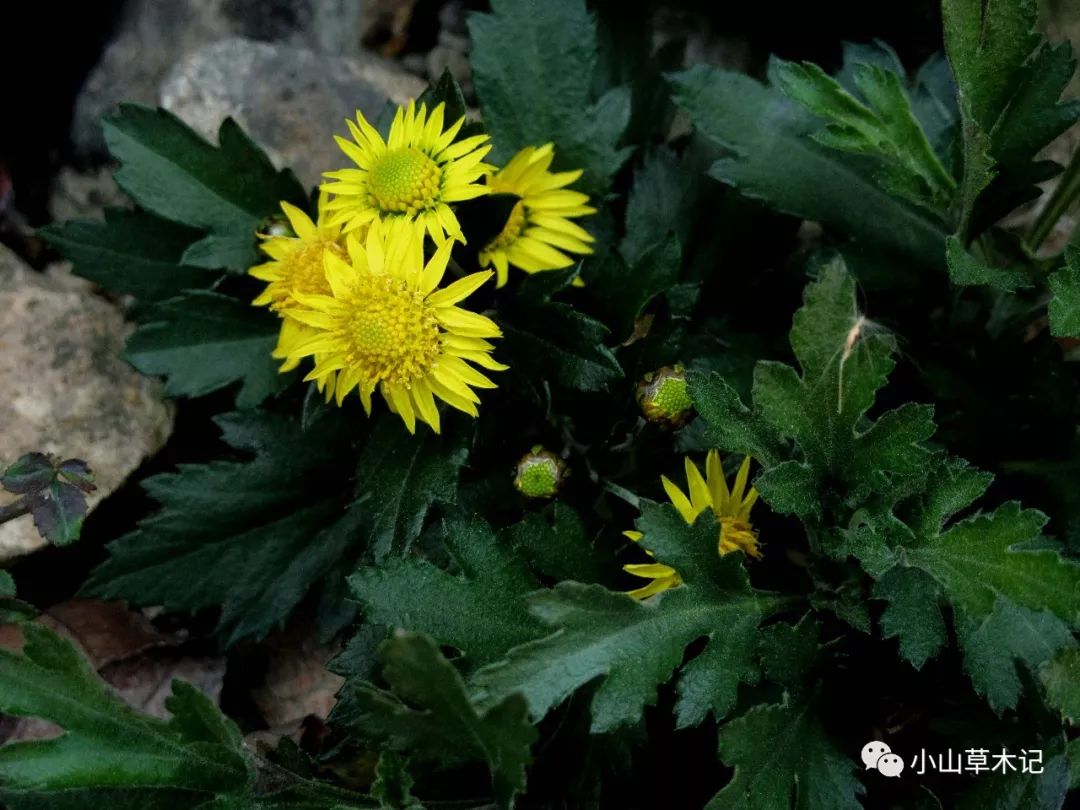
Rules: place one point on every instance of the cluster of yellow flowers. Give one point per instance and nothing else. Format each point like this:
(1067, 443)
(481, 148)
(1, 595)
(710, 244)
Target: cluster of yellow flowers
(353, 289)
(355, 294)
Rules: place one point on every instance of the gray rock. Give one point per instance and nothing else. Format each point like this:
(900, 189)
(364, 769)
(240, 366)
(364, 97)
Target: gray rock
(150, 38)
(290, 100)
(85, 195)
(65, 388)
(153, 35)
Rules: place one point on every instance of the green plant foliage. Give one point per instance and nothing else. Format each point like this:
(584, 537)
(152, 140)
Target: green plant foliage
(227, 190)
(428, 713)
(481, 611)
(845, 359)
(638, 646)
(130, 253)
(1064, 309)
(529, 100)
(838, 261)
(771, 156)
(108, 751)
(202, 341)
(255, 553)
(784, 758)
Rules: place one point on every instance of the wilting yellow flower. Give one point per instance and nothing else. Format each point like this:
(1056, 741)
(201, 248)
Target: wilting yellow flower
(387, 325)
(296, 266)
(413, 176)
(731, 508)
(539, 229)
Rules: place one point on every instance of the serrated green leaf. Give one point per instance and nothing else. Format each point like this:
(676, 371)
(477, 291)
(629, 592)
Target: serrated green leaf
(1011, 601)
(129, 253)
(883, 126)
(225, 190)
(249, 536)
(731, 425)
(480, 611)
(1009, 84)
(532, 66)
(557, 342)
(1064, 308)
(845, 359)
(556, 545)
(773, 158)
(400, 477)
(636, 646)
(109, 752)
(789, 651)
(965, 270)
(1007, 636)
(783, 758)
(913, 614)
(1061, 677)
(203, 341)
(428, 714)
(626, 289)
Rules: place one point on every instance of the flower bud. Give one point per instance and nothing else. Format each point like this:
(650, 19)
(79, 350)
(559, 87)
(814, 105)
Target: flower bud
(540, 473)
(664, 398)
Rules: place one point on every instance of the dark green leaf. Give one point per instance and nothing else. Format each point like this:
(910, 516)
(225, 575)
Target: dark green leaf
(226, 190)
(883, 127)
(427, 714)
(110, 755)
(204, 341)
(966, 270)
(558, 342)
(532, 65)
(636, 646)
(130, 253)
(627, 289)
(400, 477)
(556, 546)
(788, 651)
(1064, 308)
(1061, 677)
(480, 611)
(783, 758)
(1007, 636)
(773, 158)
(251, 536)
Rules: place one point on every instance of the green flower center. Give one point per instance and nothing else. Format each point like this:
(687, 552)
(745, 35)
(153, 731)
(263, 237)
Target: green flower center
(405, 181)
(671, 397)
(391, 332)
(539, 479)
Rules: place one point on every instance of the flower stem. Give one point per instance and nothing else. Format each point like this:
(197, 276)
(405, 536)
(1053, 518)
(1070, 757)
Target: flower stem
(1063, 196)
(15, 509)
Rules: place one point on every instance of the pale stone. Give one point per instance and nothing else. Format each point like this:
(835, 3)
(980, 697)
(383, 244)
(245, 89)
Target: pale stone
(66, 389)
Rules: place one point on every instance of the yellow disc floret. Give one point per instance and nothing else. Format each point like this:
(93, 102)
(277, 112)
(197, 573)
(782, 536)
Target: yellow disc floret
(388, 326)
(393, 334)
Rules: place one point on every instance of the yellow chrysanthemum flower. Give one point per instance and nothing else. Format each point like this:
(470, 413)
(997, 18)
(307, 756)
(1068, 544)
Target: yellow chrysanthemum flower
(731, 508)
(412, 176)
(386, 325)
(296, 266)
(539, 229)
